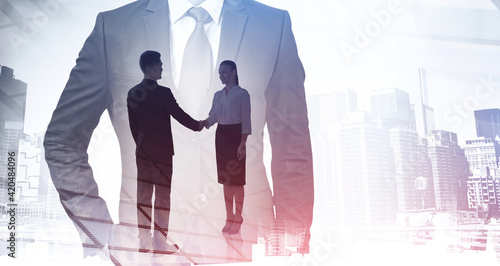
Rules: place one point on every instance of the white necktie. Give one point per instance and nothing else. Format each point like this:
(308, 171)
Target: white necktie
(196, 67)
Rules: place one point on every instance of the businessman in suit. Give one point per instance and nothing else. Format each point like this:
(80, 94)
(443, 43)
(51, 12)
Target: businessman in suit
(149, 109)
(260, 40)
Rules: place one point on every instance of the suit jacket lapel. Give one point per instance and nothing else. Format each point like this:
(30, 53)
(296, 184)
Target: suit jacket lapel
(157, 21)
(234, 18)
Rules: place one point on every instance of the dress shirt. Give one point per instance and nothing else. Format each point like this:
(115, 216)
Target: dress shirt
(233, 108)
(182, 25)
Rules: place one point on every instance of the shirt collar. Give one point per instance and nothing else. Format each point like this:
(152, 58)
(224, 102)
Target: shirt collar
(233, 88)
(149, 81)
(178, 9)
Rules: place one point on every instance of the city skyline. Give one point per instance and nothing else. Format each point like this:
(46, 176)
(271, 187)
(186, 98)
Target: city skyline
(403, 155)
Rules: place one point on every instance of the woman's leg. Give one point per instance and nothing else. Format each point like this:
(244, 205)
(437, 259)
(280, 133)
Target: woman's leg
(239, 195)
(228, 200)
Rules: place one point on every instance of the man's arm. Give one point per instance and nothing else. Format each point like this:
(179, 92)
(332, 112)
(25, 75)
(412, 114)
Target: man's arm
(182, 117)
(77, 114)
(287, 122)
(132, 120)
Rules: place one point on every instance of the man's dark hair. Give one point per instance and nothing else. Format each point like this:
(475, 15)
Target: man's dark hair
(149, 58)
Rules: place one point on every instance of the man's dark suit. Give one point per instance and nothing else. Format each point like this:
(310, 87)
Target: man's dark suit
(149, 109)
(259, 39)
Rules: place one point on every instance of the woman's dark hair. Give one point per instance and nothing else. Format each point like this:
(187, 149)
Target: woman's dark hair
(231, 65)
(149, 58)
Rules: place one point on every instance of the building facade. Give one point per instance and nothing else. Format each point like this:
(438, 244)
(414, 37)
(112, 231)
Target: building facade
(450, 171)
(487, 123)
(482, 152)
(365, 171)
(392, 107)
(12, 108)
(483, 191)
(404, 143)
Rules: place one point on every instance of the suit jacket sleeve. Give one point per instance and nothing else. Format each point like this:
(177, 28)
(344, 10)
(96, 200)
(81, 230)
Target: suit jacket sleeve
(133, 121)
(77, 114)
(287, 122)
(178, 114)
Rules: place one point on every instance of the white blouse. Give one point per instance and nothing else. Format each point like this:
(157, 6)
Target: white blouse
(233, 108)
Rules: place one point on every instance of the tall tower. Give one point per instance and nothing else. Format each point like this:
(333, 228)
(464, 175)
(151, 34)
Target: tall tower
(404, 143)
(344, 102)
(365, 171)
(424, 114)
(12, 107)
(330, 109)
(326, 112)
(450, 171)
(487, 123)
(424, 183)
(392, 107)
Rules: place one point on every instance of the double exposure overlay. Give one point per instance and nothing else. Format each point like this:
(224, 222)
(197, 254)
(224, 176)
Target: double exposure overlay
(334, 132)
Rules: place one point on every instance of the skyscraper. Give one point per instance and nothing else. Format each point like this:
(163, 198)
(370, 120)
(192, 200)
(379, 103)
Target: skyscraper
(326, 112)
(344, 102)
(404, 143)
(365, 173)
(392, 107)
(330, 109)
(12, 107)
(424, 120)
(424, 182)
(487, 123)
(450, 171)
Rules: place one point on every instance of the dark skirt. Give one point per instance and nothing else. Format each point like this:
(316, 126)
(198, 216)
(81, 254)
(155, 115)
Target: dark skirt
(230, 170)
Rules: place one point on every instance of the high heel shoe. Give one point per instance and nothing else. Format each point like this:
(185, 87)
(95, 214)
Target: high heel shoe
(227, 226)
(235, 228)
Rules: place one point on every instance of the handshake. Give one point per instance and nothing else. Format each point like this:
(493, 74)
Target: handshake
(203, 124)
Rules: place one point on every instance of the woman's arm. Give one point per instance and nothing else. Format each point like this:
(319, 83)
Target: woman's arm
(211, 119)
(242, 149)
(246, 125)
